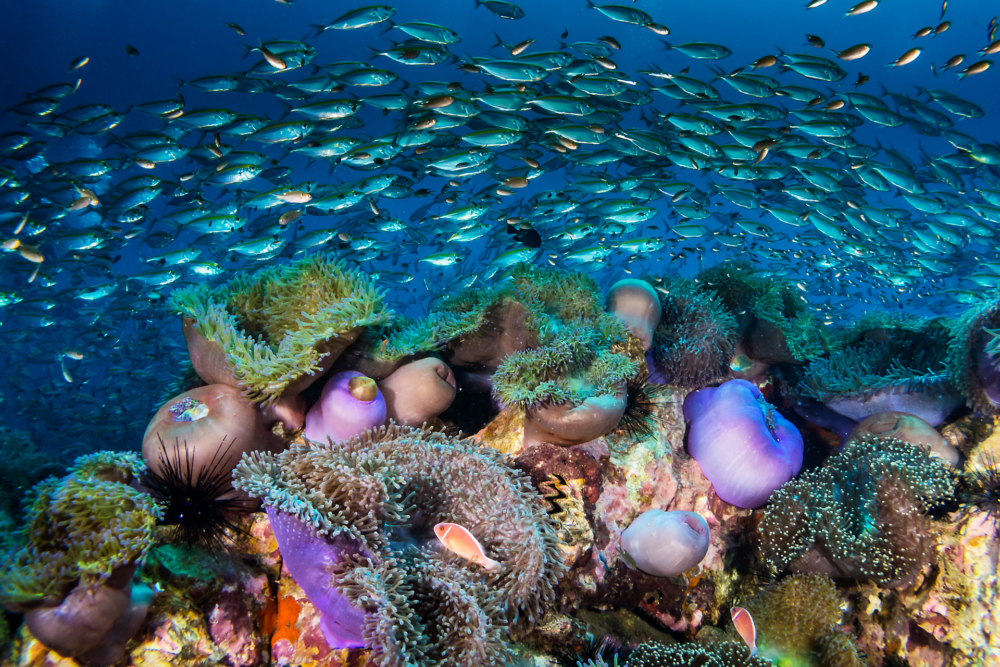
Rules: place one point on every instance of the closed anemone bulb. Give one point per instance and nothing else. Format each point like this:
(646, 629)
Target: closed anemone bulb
(198, 505)
(642, 418)
(979, 489)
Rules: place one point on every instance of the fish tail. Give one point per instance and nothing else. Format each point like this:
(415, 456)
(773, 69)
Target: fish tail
(320, 29)
(667, 46)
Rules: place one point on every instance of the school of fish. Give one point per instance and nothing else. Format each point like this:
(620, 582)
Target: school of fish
(521, 155)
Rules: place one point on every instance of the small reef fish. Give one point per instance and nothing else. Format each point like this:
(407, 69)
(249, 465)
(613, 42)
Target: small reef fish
(458, 540)
(740, 363)
(745, 627)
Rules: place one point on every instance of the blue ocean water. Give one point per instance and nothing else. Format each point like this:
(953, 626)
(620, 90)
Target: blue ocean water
(84, 374)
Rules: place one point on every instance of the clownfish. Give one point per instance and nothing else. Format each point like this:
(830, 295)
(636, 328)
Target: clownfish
(744, 625)
(459, 540)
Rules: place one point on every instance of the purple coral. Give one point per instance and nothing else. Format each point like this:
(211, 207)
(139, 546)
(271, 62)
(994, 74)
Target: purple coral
(350, 404)
(744, 447)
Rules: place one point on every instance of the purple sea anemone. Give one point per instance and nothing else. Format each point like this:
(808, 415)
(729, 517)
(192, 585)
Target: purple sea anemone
(351, 403)
(744, 447)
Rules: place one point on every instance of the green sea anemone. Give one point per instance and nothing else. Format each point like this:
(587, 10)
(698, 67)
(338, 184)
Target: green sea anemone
(774, 320)
(696, 337)
(274, 332)
(883, 363)
(862, 515)
(79, 529)
(974, 355)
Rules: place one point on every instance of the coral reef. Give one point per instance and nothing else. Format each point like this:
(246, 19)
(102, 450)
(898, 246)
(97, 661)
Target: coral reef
(974, 355)
(382, 492)
(884, 363)
(861, 515)
(24, 466)
(696, 337)
(273, 333)
(741, 442)
(798, 622)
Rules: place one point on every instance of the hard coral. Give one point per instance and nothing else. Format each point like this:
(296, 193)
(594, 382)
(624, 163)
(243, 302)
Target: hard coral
(861, 515)
(384, 491)
(798, 621)
(273, 333)
(696, 337)
(884, 363)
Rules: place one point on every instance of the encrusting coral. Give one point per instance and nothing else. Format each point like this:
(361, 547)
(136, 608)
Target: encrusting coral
(798, 622)
(696, 336)
(374, 500)
(974, 355)
(886, 362)
(274, 332)
(861, 515)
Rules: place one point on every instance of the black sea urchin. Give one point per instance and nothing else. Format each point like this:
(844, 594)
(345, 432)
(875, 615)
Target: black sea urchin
(197, 504)
(979, 489)
(642, 417)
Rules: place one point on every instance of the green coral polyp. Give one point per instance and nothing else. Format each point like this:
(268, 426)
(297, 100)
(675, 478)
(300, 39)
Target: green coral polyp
(274, 327)
(79, 528)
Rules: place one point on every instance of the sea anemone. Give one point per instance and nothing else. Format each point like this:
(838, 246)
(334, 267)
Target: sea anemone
(774, 320)
(274, 333)
(635, 303)
(369, 505)
(197, 504)
(742, 444)
(862, 515)
(71, 571)
(721, 654)
(418, 391)
(665, 544)
(798, 622)
(885, 364)
(216, 425)
(974, 355)
(696, 337)
(349, 404)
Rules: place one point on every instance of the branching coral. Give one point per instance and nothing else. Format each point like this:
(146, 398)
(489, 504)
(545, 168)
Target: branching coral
(886, 363)
(278, 329)
(81, 527)
(774, 319)
(861, 515)
(722, 654)
(696, 336)
(384, 491)
(974, 355)
(798, 622)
